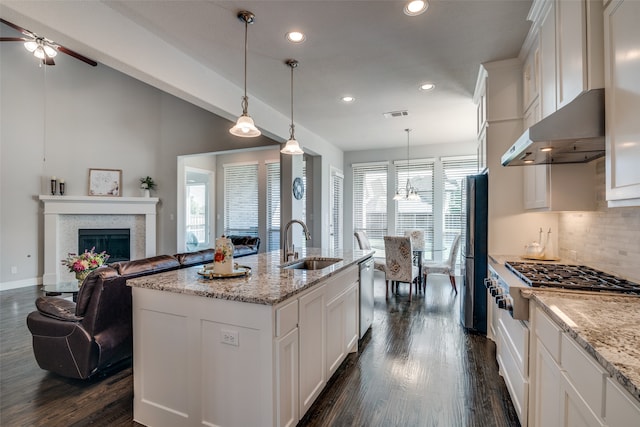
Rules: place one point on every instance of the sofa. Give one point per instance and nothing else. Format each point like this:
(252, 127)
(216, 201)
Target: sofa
(84, 338)
(244, 245)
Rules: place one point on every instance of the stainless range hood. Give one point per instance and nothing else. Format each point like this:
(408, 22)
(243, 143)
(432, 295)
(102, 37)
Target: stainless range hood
(573, 134)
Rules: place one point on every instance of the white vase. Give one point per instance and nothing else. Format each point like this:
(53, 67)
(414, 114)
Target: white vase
(146, 193)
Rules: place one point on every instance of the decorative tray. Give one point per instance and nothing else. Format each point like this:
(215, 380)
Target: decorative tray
(238, 271)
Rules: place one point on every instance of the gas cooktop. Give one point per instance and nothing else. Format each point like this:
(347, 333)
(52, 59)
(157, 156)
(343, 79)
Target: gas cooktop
(578, 277)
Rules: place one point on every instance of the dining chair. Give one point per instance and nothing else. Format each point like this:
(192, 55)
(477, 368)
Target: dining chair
(365, 245)
(417, 238)
(446, 267)
(399, 262)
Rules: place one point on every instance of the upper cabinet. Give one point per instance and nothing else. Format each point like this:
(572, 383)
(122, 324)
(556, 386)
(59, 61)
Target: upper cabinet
(579, 48)
(567, 57)
(547, 54)
(622, 68)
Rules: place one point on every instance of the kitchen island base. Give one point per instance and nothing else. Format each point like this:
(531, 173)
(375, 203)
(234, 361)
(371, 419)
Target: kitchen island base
(216, 362)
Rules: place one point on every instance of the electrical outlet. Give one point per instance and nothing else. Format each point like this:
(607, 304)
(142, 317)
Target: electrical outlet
(229, 337)
(14, 269)
(573, 255)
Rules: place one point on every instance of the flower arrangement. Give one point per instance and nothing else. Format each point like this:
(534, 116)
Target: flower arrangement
(89, 260)
(147, 183)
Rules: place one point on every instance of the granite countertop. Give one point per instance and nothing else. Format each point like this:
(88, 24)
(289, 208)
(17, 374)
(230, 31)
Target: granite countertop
(267, 284)
(606, 326)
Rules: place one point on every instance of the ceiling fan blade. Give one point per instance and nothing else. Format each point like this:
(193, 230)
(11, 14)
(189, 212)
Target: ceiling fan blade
(76, 55)
(18, 28)
(13, 39)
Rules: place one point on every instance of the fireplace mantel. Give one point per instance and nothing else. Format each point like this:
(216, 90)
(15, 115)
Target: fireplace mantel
(56, 207)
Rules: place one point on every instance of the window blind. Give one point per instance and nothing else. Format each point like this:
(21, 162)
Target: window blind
(418, 214)
(455, 169)
(336, 211)
(241, 199)
(273, 206)
(370, 201)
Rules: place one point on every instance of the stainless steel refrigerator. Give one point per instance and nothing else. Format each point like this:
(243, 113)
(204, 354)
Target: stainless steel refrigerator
(473, 298)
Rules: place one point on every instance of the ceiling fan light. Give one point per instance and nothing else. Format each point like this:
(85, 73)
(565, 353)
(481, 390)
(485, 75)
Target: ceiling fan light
(49, 51)
(245, 128)
(31, 45)
(39, 53)
(292, 147)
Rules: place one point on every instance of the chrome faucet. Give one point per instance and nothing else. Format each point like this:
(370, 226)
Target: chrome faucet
(289, 251)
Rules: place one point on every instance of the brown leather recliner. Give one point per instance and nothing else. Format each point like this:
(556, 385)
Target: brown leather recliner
(80, 339)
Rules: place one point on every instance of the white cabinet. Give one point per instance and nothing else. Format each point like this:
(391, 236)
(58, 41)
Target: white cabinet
(622, 68)
(579, 44)
(570, 388)
(547, 55)
(287, 379)
(312, 346)
(531, 76)
(571, 51)
(547, 390)
(342, 319)
(620, 408)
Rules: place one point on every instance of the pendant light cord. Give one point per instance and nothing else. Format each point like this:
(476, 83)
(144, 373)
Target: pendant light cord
(292, 63)
(291, 132)
(245, 99)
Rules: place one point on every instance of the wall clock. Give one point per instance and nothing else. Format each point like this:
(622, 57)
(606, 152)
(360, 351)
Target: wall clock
(298, 188)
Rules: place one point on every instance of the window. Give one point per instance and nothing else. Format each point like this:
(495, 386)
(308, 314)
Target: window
(337, 185)
(418, 214)
(454, 214)
(241, 199)
(198, 217)
(370, 201)
(273, 206)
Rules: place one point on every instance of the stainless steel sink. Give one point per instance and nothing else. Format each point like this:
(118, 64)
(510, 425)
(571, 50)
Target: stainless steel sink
(312, 263)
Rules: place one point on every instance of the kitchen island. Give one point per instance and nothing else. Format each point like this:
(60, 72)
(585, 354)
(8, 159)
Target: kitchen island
(585, 358)
(254, 350)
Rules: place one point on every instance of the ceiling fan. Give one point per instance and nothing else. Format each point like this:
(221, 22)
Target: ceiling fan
(41, 47)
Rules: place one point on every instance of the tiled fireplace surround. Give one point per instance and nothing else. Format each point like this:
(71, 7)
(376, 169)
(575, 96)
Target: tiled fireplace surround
(64, 215)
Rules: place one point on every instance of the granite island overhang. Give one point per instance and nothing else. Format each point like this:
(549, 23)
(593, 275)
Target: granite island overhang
(252, 350)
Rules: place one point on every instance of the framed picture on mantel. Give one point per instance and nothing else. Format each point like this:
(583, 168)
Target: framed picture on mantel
(105, 182)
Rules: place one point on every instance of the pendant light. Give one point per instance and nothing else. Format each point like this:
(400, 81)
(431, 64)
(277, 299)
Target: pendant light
(244, 127)
(410, 193)
(292, 147)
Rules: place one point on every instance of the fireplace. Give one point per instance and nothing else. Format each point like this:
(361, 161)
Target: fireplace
(114, 241)
(65, 215)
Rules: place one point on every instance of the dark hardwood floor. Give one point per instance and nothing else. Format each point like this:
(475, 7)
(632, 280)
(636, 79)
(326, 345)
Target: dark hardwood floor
(417, 367)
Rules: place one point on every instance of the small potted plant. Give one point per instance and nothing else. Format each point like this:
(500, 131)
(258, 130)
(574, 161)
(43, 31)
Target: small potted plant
(147, 184)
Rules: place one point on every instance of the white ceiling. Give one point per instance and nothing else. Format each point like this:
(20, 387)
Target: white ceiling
(368, 49)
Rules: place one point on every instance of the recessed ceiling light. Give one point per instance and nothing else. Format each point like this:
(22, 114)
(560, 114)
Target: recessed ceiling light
(416, 7)
(546, 149)
(347, 98)
(427, 86)
(295, 36)
(528, 161)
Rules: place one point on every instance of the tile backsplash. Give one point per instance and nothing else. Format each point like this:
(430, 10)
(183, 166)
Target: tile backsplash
(607, 239)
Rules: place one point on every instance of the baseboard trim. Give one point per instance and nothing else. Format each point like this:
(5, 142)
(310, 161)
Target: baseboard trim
(25, 283)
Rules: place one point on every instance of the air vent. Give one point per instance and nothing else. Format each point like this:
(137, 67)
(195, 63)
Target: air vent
(394, 114)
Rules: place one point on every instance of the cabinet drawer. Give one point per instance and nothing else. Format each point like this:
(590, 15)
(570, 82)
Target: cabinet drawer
(286, 318)
(516, 337)
(339, 283)
(549, 333)
(584, 373)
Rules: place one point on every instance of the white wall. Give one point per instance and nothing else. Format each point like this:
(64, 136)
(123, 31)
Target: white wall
(65, 119)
